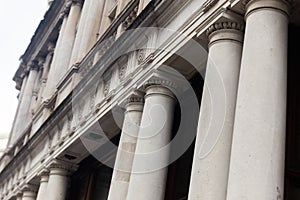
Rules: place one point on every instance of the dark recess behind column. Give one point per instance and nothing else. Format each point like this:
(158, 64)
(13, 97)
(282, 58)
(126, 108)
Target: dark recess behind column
(292, 168)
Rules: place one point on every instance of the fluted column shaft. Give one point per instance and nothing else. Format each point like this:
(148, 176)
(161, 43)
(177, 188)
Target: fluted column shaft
(258, 151)
(123, 164)
(43, 187)
(150, 164)
(212, 150)
(57, 184)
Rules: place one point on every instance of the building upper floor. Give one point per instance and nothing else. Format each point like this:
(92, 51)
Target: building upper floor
(48, 69)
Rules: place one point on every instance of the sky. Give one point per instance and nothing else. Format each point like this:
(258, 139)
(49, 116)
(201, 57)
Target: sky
(18, 21)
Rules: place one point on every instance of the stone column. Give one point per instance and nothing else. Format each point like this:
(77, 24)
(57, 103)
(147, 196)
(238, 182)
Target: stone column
(213, 143)
(150, 164)
(58, 181)
(87, 29)
(20, 97)
(24, 115)
(123, 165)
(29, 195)
(257, 158)
(106, 21)
(54, 71)
(69, 35)
(37, 86)
(44, 178)
(29, 192)
(46, 68)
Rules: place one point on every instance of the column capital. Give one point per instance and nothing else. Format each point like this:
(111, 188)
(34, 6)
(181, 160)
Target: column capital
(134, 103)
(65, 11)
(50, 47)
(228, 25)
(33, 65)
(77, 2)
(135, 99)
(61, 167)
(160, 82)
(225, 31)
(29, 187)
(43, 172)
(254, 5)
(40, 61)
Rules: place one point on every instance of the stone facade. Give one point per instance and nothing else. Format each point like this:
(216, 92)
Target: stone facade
(157, 99)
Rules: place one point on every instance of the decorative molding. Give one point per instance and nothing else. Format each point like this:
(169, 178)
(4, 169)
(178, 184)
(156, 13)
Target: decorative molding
(66, 9)
(29, 187)
(33, 65)
(141, 55)
(43, 172)
(207, 5)
(162, 82)
(225, 25)
(134, 99)
(131, 17)
(59, 164)
(41, 62)
(122, 71)
(106, 87)
(78, 2)
(50, 48)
